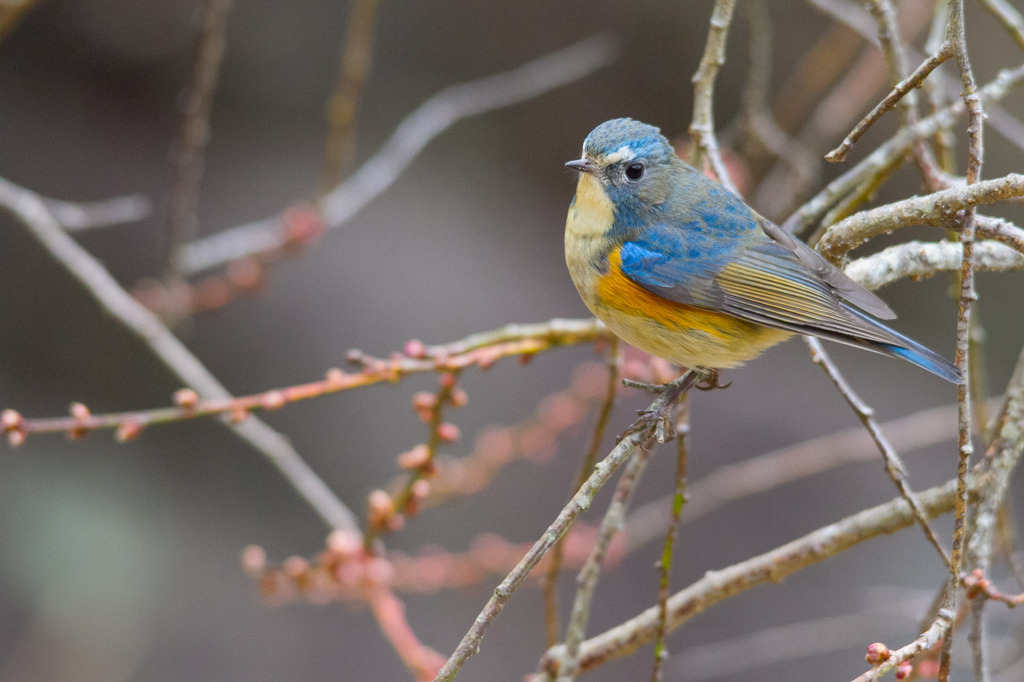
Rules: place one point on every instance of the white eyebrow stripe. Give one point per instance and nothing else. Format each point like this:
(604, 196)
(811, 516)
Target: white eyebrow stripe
(623, 153)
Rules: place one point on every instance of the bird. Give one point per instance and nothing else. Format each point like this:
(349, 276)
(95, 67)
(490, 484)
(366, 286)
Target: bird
(675, 264)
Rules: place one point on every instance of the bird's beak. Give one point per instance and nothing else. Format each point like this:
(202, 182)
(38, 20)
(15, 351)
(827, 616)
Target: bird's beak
(581, 165)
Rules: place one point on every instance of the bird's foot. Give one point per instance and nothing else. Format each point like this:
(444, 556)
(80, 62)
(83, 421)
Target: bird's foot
(658, 418)
(709, 381)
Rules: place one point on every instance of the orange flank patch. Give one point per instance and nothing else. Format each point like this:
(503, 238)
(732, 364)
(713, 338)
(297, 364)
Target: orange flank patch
(618, 292)
(683, 334)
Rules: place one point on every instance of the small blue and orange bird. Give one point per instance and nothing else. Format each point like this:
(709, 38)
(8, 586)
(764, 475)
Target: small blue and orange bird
(676, 265)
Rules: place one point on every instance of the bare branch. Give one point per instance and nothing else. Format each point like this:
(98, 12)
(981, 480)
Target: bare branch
(586, 581)
(195, 132)
(481, 350)
(940, 628)
(912, 81)
(771, 566)
(665, 563)
(82, 216)
(1009, 17)
(898, 146)
(923, 259)
(771, 645)
(31, 210)
(641, 435)
(965, 304)
(702, 125)
(614, 363)
(580, 502)
(418, 129)
(931, 209)
(894, 466)
(343, 106)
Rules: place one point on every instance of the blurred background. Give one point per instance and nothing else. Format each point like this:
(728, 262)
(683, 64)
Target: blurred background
(120, 562)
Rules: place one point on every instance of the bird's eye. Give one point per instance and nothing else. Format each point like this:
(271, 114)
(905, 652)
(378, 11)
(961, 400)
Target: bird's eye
(635, 171)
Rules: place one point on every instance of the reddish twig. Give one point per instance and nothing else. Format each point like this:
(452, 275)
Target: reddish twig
(480, 350)
(533, 439)
(387, 511)
(885, 660)
(977, 585)
(346, 567)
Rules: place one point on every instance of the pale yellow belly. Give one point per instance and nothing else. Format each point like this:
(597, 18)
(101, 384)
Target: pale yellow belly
(684, 335)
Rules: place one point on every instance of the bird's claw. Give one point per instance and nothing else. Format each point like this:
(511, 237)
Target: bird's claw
(709, 381)
(658, 419)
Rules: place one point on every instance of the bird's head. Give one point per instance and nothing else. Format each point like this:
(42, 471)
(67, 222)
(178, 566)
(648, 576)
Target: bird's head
(629, 162)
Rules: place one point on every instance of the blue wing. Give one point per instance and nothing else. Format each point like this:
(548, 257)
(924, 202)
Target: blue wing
(718, 254)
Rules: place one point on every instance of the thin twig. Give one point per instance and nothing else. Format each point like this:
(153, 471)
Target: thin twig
(32, 211)
(182, 220)
(481, 350)
(1001, 457)
(850, 15)
(895, 56)
(642, 435)
(889, 39)
(407, 499)
(580, 502)
(855, 199)
(731, 658)
(943, 140)
(1009, 18)
(912, 81)
(759, 123)
(343, 105)
(923, 259)
(586, 581)
(771, 470)
(935, 209)
(665, 564)
(430, 119)
(389, 611)
(899, 145)
(614, 362)
(1002, 231)
(940, 627)
(963, 327)
(771, 566)
(702, 126)
(87, 215)
(894, 466)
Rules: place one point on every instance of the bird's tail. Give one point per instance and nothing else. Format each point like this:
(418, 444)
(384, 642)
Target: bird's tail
(924, 358)
(908, 349)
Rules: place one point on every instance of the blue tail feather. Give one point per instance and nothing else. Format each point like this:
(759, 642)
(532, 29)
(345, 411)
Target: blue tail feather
(899, 346)
(924, 358)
